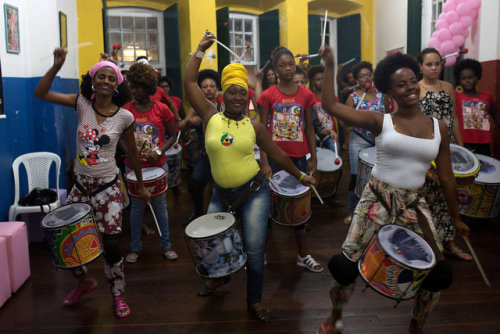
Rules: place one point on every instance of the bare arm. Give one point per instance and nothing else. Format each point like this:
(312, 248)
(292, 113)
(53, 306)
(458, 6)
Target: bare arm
(456, 127)
(43, 91)
(387, 105)
(311, 139)
(494, 113)
(267, 145)
(259, 76)
(340, 83)
(266, 169)
(448, 182)
(371, 121)
(198, 101)
(129, 141)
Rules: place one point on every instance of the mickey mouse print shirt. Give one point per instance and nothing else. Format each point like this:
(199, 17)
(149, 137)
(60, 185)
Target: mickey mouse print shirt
(96, 143)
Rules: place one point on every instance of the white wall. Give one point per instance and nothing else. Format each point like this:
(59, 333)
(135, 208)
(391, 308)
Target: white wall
(487, 38)
(391, 24)
(39, 35)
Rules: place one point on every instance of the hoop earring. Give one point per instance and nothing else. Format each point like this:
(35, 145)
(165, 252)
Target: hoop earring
(459, 89)
(92, 88)
(115, 92)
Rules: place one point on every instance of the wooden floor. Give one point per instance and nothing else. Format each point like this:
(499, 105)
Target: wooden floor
(162, 294)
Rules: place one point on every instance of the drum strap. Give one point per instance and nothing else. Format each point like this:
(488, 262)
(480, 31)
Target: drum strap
(421, 219)
(102, 187)
(370, 141)
(253, 186)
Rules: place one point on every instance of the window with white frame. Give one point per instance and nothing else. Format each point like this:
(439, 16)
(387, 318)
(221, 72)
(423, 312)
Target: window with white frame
(437, 9)
(140, 33)
(242, 33)
(431, 9)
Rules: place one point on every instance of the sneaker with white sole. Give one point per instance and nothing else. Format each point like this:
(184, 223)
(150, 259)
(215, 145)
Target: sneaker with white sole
(309, 263)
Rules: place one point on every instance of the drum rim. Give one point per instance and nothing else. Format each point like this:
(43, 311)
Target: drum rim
(371, 148)
(62, 206)
(142, 168)
(305, 191)
(472, 172)
(406, 266)
(233, 225)
(173, 150)
(331, 171)
(487, 158)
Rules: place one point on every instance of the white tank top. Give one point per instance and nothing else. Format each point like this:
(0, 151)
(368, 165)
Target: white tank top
(403, 161)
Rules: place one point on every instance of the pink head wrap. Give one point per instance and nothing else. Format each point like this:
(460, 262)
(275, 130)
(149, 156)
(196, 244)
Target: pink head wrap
(102, 64)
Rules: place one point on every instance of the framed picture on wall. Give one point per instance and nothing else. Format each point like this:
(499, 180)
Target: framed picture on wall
(63, 30)
(394, 51)
(11, 18)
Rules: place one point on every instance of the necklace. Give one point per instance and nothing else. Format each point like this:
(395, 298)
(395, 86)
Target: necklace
(243, 120)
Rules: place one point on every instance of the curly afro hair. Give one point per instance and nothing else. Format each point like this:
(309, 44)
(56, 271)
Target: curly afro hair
(390, 64)
(470, 64)
(144, 76)
(359, 66)
(424, 52)
(315, 70)
(168, 80)
(123, 97)
(209, 74)
(266, 84)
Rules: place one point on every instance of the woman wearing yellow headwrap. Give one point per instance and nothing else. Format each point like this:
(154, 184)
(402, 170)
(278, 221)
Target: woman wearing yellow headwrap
(230, 137)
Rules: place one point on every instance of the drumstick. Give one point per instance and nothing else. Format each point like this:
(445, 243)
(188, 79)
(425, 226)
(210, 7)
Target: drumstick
(324, 28)
(274, 185)
(154, 216)
(142, 147)
(243, 54)
(316, 192)
(225, 47)
(76, 46)
(177, 141)
(367, 86)
(474, 256)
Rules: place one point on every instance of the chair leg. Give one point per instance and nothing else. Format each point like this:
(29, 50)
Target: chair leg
(12, 213)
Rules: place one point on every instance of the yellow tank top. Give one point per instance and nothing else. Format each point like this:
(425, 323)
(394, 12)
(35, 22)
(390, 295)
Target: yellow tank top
(230, 148)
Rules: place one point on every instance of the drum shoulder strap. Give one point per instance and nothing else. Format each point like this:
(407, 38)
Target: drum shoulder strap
(102, 187)
(253, 186)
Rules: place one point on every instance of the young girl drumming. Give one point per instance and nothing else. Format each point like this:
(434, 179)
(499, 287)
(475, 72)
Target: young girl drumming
(437, 99)
(153, 120)
(406, 141)
(101, 123)
(230, 139)
(287, 108)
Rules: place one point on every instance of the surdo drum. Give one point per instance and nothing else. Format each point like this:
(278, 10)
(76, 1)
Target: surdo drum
(215, 245)
(464, 164)
(328, 172)
(153, 178)
(72, 235)
(174, 162)
(396, 262)
(291, 203)
(367, 159)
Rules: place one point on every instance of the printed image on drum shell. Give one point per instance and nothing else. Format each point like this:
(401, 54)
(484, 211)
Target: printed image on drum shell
(461, 162)
(404, 244)
(218, 257)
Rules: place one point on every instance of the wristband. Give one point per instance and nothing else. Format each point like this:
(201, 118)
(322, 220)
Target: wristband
(199, 54)
(301, 177)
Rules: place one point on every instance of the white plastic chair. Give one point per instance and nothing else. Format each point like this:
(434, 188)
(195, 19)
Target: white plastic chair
(37, 166)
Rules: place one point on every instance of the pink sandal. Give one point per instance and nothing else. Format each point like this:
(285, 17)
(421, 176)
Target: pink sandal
(78, 292)
(119, 305)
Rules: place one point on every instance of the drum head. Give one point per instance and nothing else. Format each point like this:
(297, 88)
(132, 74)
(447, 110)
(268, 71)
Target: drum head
(368, 156)
(326, 160)
(490, 170)
(148, 173)
(173, 151)
(288, 184)
(406, 247)
(463, 161)
(66, 215)
(209, 225)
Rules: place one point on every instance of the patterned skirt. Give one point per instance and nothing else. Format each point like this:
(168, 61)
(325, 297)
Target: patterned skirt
(439, 210)
(370, 215)
(107, 204)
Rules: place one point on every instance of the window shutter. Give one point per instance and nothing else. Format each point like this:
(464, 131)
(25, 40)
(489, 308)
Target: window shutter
(315, 31)
(269, 34)
(348, 40)
(172, 47)
(223, 56)
(414, 33)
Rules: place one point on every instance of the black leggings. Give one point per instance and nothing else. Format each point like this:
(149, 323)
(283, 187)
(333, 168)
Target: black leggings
(345, 272)
(111, 244)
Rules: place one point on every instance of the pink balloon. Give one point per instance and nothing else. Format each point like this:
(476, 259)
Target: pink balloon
(441, 24)
(452, 17)
(456, 28)
(450, 61)
(443, 35)
(466, 21)
(448, 47)
(441, 16)
(434, 43)
(474, 3)
(473, 13)
(458, 40)
(463, 9)
(465, 32)
(449, 6)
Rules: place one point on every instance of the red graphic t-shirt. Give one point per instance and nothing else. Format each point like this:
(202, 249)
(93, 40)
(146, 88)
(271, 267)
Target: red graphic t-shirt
(287, 118)
(161, 96)
(473, 117)
(149, 131)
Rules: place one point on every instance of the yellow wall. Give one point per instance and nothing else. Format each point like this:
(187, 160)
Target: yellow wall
(293, 25)
(90, 29)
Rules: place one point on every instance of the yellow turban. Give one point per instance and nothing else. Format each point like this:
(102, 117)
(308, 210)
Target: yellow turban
(234, 74)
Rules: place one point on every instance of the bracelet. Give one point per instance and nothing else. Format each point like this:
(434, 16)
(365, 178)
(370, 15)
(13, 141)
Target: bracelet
(301, 177)
(199, 54)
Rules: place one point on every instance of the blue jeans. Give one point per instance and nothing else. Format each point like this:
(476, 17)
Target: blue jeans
(137, 206)
(329, 144)
(356, 145)
(253, 215)
(200, 177)
(301, 164)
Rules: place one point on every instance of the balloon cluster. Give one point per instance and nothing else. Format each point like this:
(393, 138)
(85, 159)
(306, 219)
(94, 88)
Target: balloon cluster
(452, 27)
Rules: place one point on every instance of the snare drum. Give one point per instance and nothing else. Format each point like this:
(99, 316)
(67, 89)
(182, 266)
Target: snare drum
(481, 199)
(174, 161)
(291, 203)
(72, 235)
(396, 262)
(367, 159)
(215, 245)
(464, 164)
(327, 173)
(153, 178)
